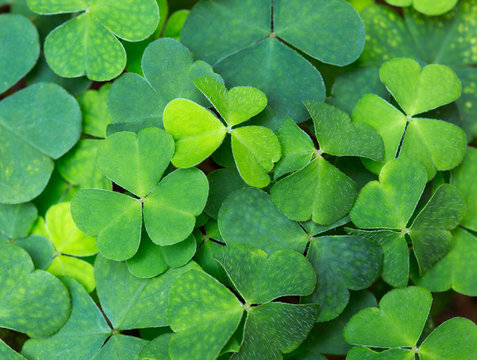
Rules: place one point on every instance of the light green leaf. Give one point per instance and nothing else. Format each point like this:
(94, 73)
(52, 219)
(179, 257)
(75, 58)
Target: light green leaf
(248, 216)
(359, 353)
(197, 132)
(136, 162)
(58, 6)
(175, 23)
(390, 202)
(18, 40)
(16, 220)
(171, 209)
(121, 347)
(157, 349)
(94, 107)
(39, 248)
(74, 268)
(117, 224)
(319, 192)
(341, 263)
(261, 278)
(7, 353)
(204, 315)
(31, 121)
(428, 7)
(256, 149)
(235, 105)
(33, 302)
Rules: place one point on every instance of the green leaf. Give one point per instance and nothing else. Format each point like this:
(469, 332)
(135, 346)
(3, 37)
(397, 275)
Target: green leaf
(52, 7)
(390, 202)
(169, 70)
(420, 90)
(395, 323)
(434, 7)
(33, 302)
(463, 179)
(248, 216)
(94, 107)
(74, 268)
(7, 353)
(430, 231)
(18, 40)
(339, 136)
(31, 121)
(157, 349)
(359, 353)
(256, 149)
(171, 209)
(175, 23)
(261, 278)
(84, 333)
(16, 220)
(275, 328)
(121, 347)
(136, 162)
(235, 105)
(117, 225)
(319, 192)
(39, 248)
(197, 132)
(203, 314)
(341, 263)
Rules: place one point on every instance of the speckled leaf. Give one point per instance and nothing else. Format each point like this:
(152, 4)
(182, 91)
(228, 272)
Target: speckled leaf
(319, 192)
(18, 40)
(256, 149)
(261, 278)
(359, 353)
(16, 220)
(116, 224)
(275, 328)
(82, 336)
(7, 353)
(136, 162)
(94, 107)
(204, 314)
(74, 268)
(197, 132)
(390, 202)
(157, 349)
(338, 135)
(79, 166)
(57, 6)
(31, 121)
(121, 347)
(341, 263)
(463, 179)
(248, 216)
(33, 302)
(428, 7)
(39, 248)
(297, 148)
(395, 323)
(235, 105)
(169, 70)
(430, 231)
(170, 211)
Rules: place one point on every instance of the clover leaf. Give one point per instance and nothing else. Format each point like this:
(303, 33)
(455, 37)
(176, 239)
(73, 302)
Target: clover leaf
(87, 44)
(397, 325)
(426, 7)
(18, 39)
(169, 69)
(416, 91)
(31, 301)
(31, 121)
(240, 31)
(94, 107)
(8, 353)
(248, 216)
(255, 148)
(137, 163)
(318, 190)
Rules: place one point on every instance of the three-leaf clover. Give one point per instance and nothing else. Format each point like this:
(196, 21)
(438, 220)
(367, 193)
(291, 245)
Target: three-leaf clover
(88, 44)
(397, 326)
(318, 190)
(417, 91)
(434, 7)
(387, 205)
(198, 132)
(136, 162)
(213, 313)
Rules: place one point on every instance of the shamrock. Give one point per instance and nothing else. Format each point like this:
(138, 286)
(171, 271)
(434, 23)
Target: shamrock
(388, 205)
(318, 190)
(31, 301)
(239, 32)
(8, 353)
(87, 44)
(417, 91)
(397, 326)
(18, 40)
(31, 121)
(94, 106)
(136, 162)
(212, 315)
(198, 133)
(127, 303)
(426, 7)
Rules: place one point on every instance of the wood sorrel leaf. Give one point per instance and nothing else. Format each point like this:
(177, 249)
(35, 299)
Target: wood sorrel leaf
(94, 107)
(121, 347)
(7, 353)
(16, 220)
(359, 353)
(77, 269)
(204, 315)
(261, 278)
(432, 8)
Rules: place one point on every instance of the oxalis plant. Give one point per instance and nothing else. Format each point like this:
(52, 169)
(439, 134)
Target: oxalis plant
(238, 180)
